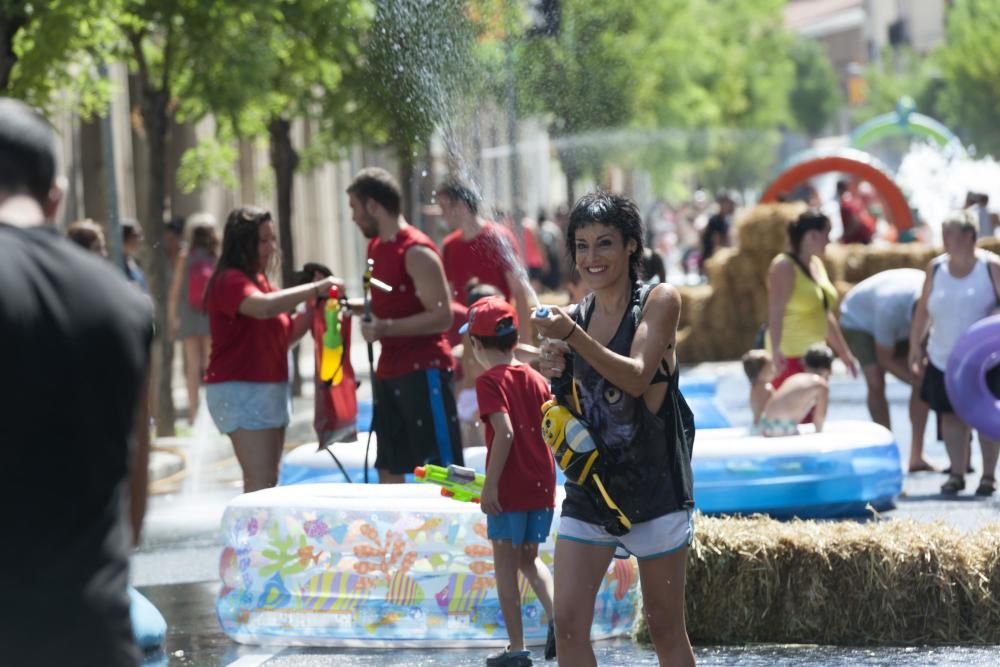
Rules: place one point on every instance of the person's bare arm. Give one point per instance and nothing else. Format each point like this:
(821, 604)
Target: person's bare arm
(835, 337)
(522, 303)
(993, 266)
(263, 306)
(822, 400)
(503, 438)
(654, 338)
(921, 324)
(138, 483)
(887, 359)
(425, 269)
(301, 322)
(781, 280)
(175, 293)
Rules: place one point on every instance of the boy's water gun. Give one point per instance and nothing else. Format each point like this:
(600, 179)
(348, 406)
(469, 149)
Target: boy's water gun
(456, 482)
(331, 368)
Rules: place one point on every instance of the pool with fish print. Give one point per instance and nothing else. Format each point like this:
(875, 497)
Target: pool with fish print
(373, 565)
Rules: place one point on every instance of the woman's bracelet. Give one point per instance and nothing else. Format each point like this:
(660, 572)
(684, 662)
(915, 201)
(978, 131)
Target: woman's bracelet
(566, 337)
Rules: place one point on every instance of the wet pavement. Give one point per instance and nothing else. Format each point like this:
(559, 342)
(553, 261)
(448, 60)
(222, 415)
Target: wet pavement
(177, 563)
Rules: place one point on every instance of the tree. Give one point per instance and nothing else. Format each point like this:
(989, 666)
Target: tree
(900, 73)
(415, 71)
(970, 69)
(190, 58)
(719, 70)
(581, 80)
(49, 52)
(815, 97)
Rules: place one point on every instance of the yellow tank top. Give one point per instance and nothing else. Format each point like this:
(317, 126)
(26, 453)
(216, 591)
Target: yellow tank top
(805, 323)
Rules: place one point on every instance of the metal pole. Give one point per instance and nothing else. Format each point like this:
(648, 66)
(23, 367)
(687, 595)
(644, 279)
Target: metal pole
(110, 182)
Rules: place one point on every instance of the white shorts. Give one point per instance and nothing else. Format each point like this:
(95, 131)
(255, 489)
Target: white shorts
(649, 539)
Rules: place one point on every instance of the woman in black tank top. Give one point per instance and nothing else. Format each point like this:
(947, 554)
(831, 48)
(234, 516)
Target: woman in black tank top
(621, 341)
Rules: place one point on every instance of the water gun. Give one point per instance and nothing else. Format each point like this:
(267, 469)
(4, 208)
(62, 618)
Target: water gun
(331, 368)
(458, 482)
(577, 455)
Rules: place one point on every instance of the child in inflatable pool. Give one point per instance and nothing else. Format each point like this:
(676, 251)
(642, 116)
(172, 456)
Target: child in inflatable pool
(520, 489)
(800, 393)
(759, 368)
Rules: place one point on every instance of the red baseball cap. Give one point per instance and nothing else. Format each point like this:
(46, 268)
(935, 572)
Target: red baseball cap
(487, 315)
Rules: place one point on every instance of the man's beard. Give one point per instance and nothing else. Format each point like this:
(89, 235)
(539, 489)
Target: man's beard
(369, 227)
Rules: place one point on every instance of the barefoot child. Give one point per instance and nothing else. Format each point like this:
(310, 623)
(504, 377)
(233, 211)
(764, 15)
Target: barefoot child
(799, 394)
(759, 368)
(519, 492)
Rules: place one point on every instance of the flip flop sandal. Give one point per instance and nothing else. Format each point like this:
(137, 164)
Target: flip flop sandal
(953, 486)
(987, 486)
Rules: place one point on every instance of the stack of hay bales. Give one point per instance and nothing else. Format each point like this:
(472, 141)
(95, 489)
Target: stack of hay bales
(724, 317)
(879, 583)
(719, 320)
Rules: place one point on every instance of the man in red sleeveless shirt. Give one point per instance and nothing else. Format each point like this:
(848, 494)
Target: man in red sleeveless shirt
(415, 419)
(477, 248)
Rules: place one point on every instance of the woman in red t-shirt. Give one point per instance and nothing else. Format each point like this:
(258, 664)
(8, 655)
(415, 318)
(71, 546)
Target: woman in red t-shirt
(247, 376)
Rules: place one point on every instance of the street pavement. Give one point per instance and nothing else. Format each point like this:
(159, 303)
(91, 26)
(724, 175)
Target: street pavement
(194, 477)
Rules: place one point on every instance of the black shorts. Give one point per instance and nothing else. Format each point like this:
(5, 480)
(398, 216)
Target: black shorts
(416, 421)
(933, 390)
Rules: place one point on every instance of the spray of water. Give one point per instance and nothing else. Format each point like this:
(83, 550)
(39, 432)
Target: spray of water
(936, 182)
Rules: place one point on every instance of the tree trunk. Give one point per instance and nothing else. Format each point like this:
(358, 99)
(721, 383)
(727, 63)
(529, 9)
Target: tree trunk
(406, 171)
(155, 121)
(95, 199)
(11, 21)
(284, 162)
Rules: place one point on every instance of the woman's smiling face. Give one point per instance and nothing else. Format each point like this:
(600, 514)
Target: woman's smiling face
(601, 254)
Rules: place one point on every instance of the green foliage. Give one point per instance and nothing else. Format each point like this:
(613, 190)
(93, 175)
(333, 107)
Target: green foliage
(417, 64)
(57, 47)
(900, 73)
(707, 81)
(970, 68)
(815, 97)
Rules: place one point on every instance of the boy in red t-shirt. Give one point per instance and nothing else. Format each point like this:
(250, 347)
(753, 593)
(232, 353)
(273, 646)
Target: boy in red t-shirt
(520, 488)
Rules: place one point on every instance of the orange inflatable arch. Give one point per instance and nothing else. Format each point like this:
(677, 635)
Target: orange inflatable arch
(808, 164)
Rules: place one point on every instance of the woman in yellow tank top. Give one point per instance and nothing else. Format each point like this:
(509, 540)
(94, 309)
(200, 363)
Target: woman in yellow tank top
(801, 299)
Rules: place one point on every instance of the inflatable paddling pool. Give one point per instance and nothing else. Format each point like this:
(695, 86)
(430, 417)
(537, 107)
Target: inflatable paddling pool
(836, 473)
(372, 566)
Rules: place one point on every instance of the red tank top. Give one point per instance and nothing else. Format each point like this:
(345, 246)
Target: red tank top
(403, 354)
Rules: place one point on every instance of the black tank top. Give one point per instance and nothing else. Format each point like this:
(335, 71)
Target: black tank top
(647, 457)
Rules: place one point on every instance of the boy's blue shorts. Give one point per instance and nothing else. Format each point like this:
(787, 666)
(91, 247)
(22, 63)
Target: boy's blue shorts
(520, 527)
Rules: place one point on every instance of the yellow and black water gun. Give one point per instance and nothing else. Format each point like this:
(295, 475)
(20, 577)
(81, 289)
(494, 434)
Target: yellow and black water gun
(578, 455)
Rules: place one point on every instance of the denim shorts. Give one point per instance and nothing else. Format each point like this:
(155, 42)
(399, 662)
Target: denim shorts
(252, 406)
(649, 539)
(519, 527)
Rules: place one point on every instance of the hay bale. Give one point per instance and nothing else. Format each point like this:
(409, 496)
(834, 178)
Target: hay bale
(878, 583)
(762, 228)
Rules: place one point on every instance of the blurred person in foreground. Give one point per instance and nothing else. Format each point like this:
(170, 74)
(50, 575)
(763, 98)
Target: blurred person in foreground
(74, 348)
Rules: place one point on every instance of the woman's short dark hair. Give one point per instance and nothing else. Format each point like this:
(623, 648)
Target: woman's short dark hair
(613, 211)
(457, 189)
(811, 220)
(378, 184)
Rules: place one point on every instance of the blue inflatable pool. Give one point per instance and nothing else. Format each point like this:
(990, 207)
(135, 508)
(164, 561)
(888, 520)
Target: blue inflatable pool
(836, 473)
